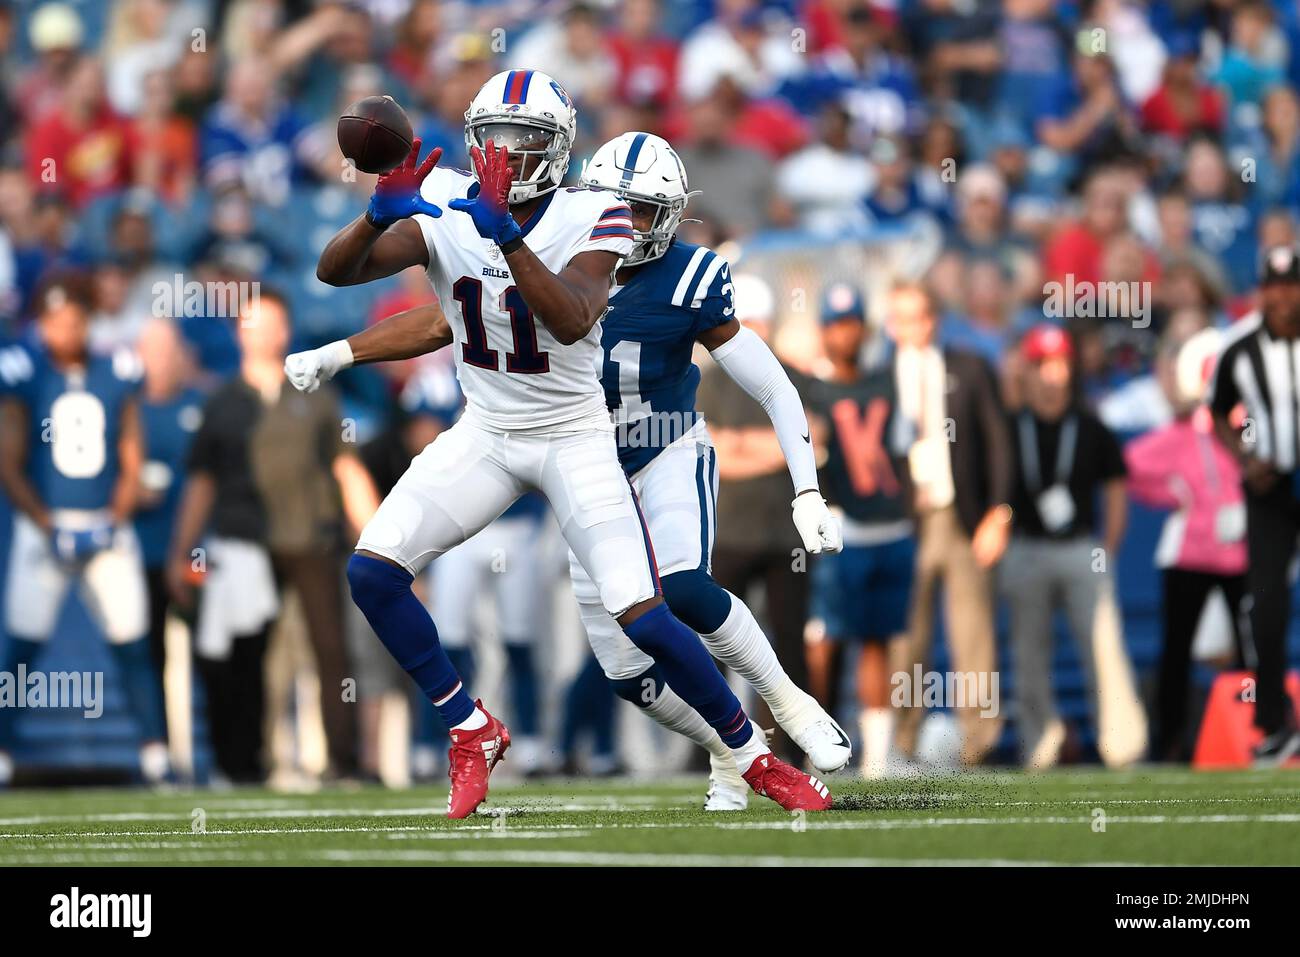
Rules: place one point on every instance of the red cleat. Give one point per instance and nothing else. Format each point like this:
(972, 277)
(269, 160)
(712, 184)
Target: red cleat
(473, 755)
(794, 790)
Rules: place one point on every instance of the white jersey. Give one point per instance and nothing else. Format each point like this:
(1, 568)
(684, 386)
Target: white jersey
(516, 376)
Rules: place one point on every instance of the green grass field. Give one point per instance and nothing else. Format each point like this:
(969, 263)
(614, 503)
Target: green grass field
(1070, 817)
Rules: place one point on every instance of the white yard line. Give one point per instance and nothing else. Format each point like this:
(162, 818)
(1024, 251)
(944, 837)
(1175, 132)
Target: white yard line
(424, 810)
(783, 824)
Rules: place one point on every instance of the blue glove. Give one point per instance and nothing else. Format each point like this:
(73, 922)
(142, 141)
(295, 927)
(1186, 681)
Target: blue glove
(397, 194)
(81, 544)
(487, 202)
(492, 223)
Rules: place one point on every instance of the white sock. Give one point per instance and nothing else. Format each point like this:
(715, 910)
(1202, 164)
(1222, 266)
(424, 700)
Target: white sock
(477, 719)
(676, 715)
(751, 750)
(7, 767)
(877, 726)
(741, 645)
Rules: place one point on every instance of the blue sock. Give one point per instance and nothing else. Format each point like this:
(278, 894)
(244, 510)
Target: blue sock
(141, 686)
(18, 652)
(687, 667)
(523, 686)
(383, 593)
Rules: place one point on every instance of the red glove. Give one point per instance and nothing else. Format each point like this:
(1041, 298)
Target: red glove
(397, 194)
(489, 204)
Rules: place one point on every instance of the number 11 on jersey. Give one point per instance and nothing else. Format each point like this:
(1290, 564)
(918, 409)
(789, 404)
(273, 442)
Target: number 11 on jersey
(525, 357)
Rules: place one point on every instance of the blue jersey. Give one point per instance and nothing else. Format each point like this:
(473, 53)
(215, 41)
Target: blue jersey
(648, 335)
(74, 422)
(169, 428)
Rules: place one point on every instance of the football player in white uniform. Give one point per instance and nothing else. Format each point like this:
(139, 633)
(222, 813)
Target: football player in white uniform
(527, 265)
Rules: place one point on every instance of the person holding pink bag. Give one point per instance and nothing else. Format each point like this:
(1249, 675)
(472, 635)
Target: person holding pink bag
(1184, 467)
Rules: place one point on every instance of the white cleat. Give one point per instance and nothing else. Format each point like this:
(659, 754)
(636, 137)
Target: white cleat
(727, 789)
(819, 736)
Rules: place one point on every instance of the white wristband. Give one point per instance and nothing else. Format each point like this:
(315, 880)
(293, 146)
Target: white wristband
(337, 356)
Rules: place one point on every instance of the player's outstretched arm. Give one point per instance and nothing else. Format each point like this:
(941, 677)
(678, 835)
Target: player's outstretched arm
(404, 335)
(567, 304)
(750, 363)
(13, 459)
(385, 240)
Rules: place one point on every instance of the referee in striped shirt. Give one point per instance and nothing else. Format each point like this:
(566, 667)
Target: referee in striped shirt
(1259, 370)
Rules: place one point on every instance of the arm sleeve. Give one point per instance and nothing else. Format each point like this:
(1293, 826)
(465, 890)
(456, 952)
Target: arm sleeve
(750, 363)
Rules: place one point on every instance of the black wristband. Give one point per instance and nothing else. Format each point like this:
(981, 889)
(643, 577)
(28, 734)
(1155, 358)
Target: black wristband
(511, 245)
(371, 221)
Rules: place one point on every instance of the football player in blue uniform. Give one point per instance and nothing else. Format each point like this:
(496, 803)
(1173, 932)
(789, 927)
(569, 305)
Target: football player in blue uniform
(668, 296)
(70, 458)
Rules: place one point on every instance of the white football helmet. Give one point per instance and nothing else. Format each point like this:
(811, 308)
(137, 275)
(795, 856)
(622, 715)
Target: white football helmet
(643, 168)
(532, 115)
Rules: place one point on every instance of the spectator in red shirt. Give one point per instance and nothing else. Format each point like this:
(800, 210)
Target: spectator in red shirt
(1077, 249)
(647, 60)
(82, 149)
(1183, 104)
(168, 157)
(411, 58)
(768, 125)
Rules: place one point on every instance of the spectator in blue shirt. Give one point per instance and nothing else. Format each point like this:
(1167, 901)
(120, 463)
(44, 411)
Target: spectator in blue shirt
(877, 87)
(1224, 226)
(171, 411)
(1082, 116)
(1271, 153)
(252, 138)
(898, 198)
(1253, 61)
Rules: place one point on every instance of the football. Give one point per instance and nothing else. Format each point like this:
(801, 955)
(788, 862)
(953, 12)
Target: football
(375, 134)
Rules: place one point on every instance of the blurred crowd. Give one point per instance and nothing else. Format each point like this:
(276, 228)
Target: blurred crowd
(1027, 149)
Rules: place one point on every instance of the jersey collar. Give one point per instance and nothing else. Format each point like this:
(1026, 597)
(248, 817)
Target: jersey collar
(538, 213)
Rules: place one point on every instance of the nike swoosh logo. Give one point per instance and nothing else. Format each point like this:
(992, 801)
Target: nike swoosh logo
(843, 740)
(806, 439)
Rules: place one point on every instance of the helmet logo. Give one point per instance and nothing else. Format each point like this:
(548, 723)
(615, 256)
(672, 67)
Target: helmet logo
(559, 91)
